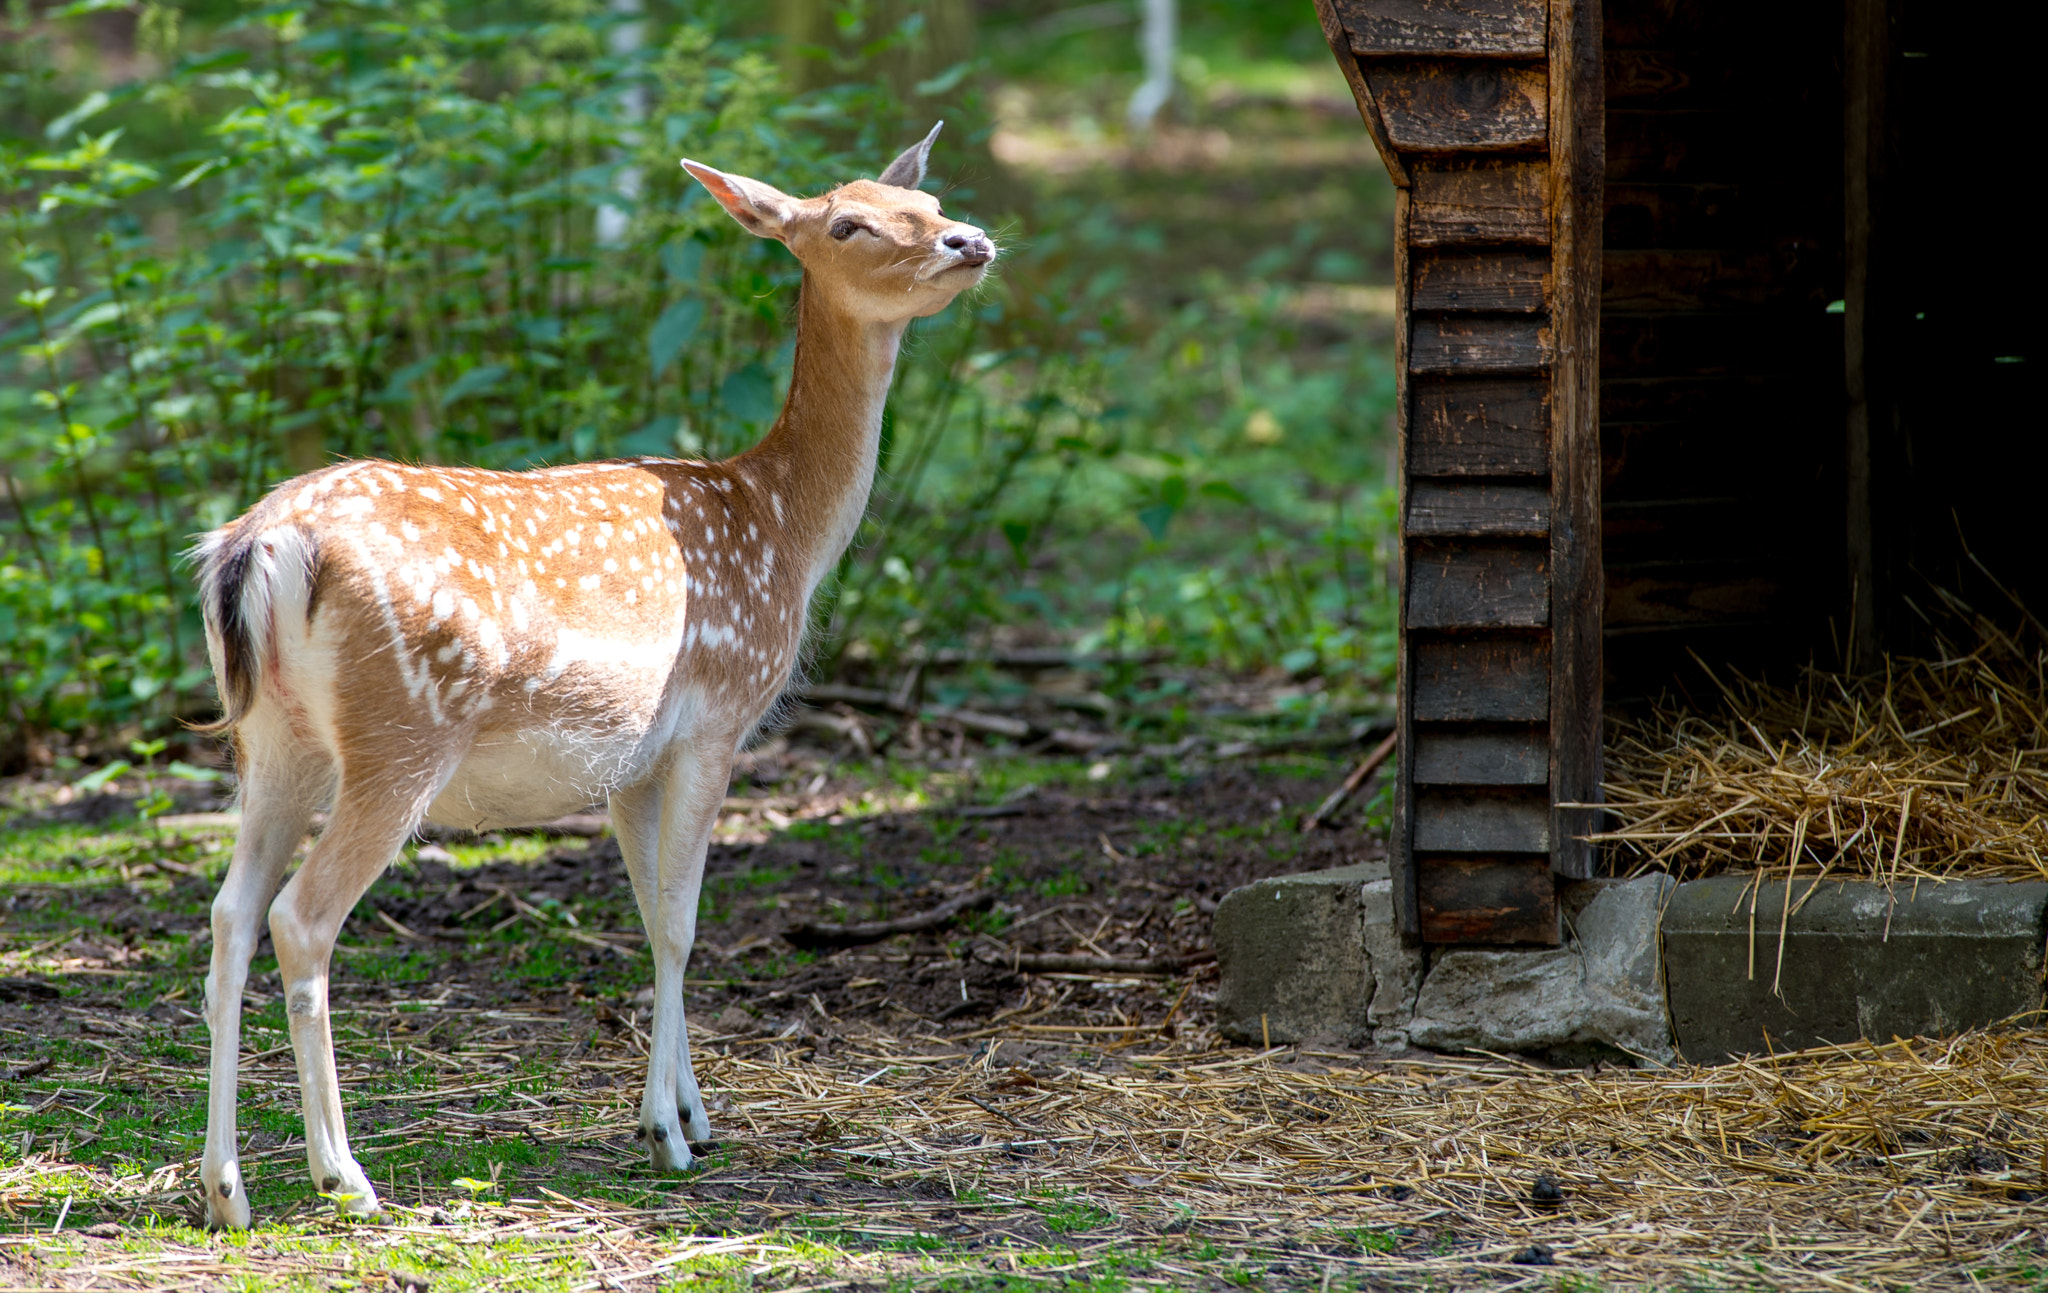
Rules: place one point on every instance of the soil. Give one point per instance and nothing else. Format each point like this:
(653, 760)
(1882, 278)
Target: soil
(1129, 869)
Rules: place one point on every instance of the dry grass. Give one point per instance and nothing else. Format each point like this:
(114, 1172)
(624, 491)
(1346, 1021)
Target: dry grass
(1934, 768)
(1150, 1163)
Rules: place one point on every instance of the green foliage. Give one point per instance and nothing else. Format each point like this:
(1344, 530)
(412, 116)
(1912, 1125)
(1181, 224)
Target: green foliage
(389, 234)
(458, 234)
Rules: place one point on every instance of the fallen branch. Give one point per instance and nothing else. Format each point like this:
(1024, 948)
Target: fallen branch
(1380, 754)
(875, 698)
(813, 934)
(1064, 963)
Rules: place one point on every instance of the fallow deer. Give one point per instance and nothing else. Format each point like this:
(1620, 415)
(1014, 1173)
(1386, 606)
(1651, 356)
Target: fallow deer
(486, 649)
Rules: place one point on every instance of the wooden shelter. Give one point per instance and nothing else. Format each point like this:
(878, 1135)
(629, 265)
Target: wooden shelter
(1688, 376)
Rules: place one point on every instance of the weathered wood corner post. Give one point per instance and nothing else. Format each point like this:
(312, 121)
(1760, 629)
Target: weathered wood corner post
(1488, 115)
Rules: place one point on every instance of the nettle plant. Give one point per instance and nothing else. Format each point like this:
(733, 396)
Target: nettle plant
(390, 235)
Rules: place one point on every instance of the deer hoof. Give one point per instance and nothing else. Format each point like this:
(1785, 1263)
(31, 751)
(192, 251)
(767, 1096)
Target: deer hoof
(227, 1205)
(668, 1151)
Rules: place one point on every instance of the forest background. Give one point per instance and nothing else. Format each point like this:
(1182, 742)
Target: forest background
(241, 240)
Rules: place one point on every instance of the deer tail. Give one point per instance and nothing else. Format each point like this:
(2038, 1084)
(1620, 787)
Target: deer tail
(245, 574)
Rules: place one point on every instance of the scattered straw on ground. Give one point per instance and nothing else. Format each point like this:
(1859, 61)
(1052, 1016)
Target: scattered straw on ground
(1931, 769)
(915, 1163)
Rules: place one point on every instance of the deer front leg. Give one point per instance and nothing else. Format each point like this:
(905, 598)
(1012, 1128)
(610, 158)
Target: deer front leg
(370, 824)
(664, 830)
(636, 818)
(275, 814)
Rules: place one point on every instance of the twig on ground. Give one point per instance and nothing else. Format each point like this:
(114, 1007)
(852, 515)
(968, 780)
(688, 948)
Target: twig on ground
(876, 698)
(1063, 963)
(1369, 765)
(813, 934)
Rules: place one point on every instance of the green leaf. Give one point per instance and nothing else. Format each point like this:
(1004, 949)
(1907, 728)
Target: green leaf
(656, 440)
(1224, 490)
(681, 258)
(104, 312)
(477, 380)
(89, 107)
(1155, 519)
(945, 80)
(184, 771)
(92, 783)
(672, 331)
(1019, 534)
(748, 394)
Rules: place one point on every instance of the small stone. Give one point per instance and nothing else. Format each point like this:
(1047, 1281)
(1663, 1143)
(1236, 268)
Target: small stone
(734, 1019)
(102, 1230)
(1314, 957)
(1600, 997)
(1859, 960)
(1979, 1160)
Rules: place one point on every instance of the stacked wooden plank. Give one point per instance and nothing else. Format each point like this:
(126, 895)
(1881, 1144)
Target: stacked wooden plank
(1486, 113)
(1721, 368)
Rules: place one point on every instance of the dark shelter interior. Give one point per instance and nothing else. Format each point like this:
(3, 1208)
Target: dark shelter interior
(1811, 408)
(1692, 376)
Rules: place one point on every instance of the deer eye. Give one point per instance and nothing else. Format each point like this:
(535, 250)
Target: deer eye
(843, 227)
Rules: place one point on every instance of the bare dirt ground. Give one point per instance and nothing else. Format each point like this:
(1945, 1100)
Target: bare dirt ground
(927, 1111)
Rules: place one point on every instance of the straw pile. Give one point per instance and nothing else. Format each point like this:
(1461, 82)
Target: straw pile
(1933, 768)
(904, 1162)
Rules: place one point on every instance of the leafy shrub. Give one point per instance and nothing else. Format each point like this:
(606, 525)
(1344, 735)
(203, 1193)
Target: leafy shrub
(458, 234)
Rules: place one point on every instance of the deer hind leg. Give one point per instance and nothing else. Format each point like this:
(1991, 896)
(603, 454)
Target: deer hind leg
(373, 815)
(281, 786)
(664, 828)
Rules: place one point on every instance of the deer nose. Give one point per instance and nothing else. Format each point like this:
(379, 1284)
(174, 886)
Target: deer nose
(973, 246)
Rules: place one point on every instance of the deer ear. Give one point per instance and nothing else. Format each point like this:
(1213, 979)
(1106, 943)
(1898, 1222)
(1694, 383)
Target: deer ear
(762, 209)
(907, 171)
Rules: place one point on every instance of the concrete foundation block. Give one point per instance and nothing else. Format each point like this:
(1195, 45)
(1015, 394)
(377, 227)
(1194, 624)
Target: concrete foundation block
(1314, 957)
(1600, 996)
(1858, 961)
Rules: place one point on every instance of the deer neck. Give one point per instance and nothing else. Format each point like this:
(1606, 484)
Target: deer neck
(818, 460)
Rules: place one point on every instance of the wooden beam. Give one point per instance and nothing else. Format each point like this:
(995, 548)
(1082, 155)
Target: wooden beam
(1501, 680)
(1511, 28)
(1499, 279)
(1867, 53)
(1480, 202)
(1489, 820)
(1482, 756)
(1460, 105)
(1691, 282)
(1401, 845)
(1479, 344)
(1577, 170)
(1477, 509)
(1496, 900)
(1679, 596)
(1368, 108)
(1479, 427)
(1466, 585)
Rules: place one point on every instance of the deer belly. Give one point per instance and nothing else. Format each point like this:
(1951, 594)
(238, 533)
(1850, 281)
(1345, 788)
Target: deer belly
(526, 778)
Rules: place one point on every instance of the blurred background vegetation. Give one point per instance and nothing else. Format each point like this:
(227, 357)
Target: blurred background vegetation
(241, 240)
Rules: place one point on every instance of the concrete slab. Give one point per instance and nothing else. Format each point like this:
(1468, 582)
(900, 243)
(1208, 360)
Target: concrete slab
(1598, 997)
(1314, 957)
(1858, 961)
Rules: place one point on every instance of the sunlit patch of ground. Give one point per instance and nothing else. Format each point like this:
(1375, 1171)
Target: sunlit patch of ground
(918, 1113)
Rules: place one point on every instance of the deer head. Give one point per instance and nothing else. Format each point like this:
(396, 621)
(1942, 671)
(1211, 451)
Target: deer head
(880, 250)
